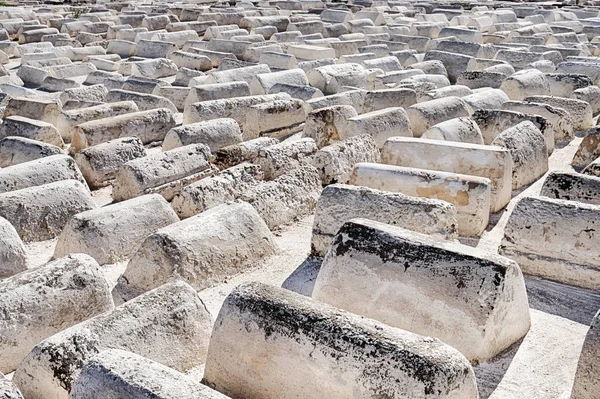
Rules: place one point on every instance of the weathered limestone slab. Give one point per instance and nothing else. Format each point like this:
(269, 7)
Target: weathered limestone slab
(463, 130)
(244, 151)
(164, 173)
(100, 163)
(325, 125)
(589, 69)
(563, 84)
(580, 111)
(422, 116)
(12, 253)
(113, 233)
(41, 302)
(225, 186)
(31, 129)
(468, 298)
(469, 194)
(154, 68)
(586, 377)
(339, 203)
(280, 158)
(245, 74)
(116, 373)
(39, 213)
(339, 348)
(37, 109)
(85, 94)
(381, 125)
(335, 162)
(263, 82)
(354, 98)
(529, 153)
(235, 108)
(8, 390)
(490, 162)
(216, 133)
(591, 95)
(555, 239)
(148, 126)
(277, 118)
(16, 150)
(572, 186)
(526, 83)
(202, 250)
(288, 198)
(588, 150)
(67, 121)
(593, 169)
(169, 325)
(144, 101)
(37, 172)
(492, 122)
(217, 91)
(454, 63)
(559, 118)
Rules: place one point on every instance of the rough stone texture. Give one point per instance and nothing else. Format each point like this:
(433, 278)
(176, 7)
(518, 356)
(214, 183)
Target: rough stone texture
(463, 130)
(38, 172)
(8, 390)
(425, 115)
(493, 122)
(529, 82)
(148, 126)
(572, 187)
(40, 213)
(13, 258)
(202, 250)
(555, 239)
(381, 125)
(225, 186)
(277, 118)
(280, 158)
(263, 330)
(235, 154)
(580, 111)
(467, 298)
(339, 203)
(31, 129)
(336, 161)
(528, 149)
(37, 109)
(559, 118)
(100, 163)
(325, 125)
(586, 385)
(169, 325)
(113, 233)
(216, 133)
(288, 198)
(116, 374)
(490, 162)
(16, 150)
(589, 149)
(140, 176)
(235, 108)
(68, 120)
(39, 303)
(469, 194)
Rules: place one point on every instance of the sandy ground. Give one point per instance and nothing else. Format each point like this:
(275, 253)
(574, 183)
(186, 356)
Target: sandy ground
(541, 366)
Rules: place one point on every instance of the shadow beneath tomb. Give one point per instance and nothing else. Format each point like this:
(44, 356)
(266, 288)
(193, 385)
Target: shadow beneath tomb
(302, 280)
(490, 373)
(573, 303)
